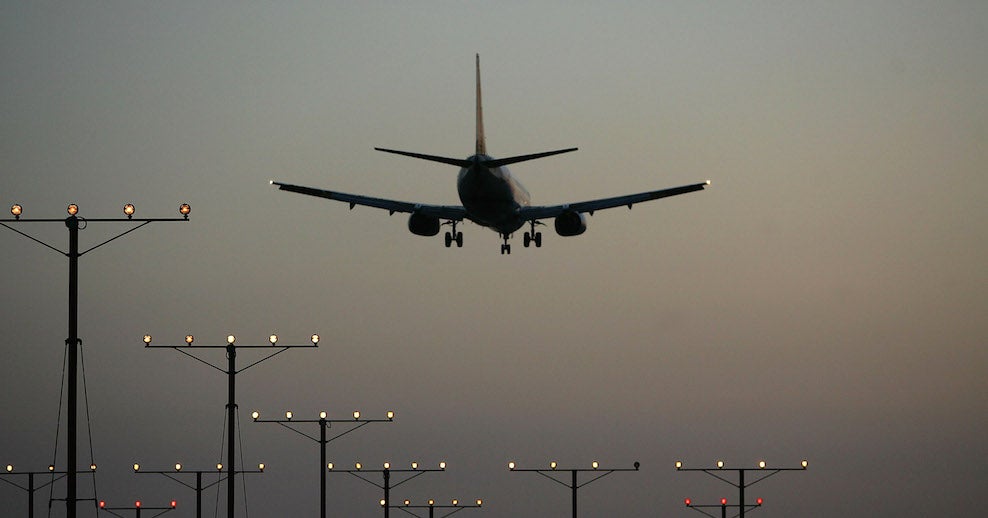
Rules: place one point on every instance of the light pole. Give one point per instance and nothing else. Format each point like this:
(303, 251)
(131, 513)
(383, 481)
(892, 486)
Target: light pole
(73, 343)
(574, 484)
(763, 470)
(31, 488)
(324, 423)
(414, 472)
(198, 487)
(231, 372)
(455, 505)
(137, 508)
(723, 506)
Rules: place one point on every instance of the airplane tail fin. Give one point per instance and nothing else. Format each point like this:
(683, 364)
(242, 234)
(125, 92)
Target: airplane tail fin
(481, 141)
(481, 144)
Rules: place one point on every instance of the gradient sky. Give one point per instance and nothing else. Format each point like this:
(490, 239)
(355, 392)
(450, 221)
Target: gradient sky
(825, 299)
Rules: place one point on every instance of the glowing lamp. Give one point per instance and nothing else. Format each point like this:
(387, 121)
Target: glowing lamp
(688, 502)
(358, 465)
(432, 502)
(174, 504)
(720, 464)
(761, 464)
(322, 415)
(511, 465)
(273, 339)
(387, 465)
(260, 467)
(147, 339)
(442, 465)
(288, 415)
(804, 464)
(329, 466)
(189, 339)
(383, 501)
(178, 466)
(415, 465)
(679, 464)
(10, 467)
(723, 501)
(480, 502)
(137, 467)
(230, 339)
(255, 415)
(356, 414)
(552, 464)
(129, 210)
(185, 209)
(16, 210)
(72, 209)
(219, 466)
(315, 339)
(595, 465)
(758, 501)
(391, 415)
(455, 502)
(92, 467)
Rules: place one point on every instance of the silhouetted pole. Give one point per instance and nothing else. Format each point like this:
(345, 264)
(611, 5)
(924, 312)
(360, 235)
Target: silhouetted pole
(741, 484)
(73, 342)
(324, 424)
(574, 485)
(231, 405)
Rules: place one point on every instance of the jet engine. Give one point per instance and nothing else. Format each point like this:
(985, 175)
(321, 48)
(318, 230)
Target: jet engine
(571, 223)
(423, 225)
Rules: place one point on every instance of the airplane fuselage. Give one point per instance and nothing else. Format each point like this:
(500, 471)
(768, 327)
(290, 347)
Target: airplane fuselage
(491, 195)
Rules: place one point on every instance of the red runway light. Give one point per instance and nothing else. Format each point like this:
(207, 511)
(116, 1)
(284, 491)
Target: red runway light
(723, 501)
(688, 502)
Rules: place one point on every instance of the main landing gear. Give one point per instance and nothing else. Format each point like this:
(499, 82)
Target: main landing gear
(505, 248)
(533, 236)
(454, 236)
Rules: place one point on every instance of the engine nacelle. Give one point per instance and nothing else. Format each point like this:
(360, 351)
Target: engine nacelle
(423, 225)
(571, 223)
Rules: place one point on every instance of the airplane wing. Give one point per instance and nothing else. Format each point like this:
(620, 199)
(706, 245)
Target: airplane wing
(447, 212)
(551, 211)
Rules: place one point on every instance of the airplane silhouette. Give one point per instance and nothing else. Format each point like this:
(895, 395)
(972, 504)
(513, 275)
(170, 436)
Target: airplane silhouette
(491, 197)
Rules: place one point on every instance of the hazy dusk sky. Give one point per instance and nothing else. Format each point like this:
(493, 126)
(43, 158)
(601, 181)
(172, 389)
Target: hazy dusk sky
(825, 299)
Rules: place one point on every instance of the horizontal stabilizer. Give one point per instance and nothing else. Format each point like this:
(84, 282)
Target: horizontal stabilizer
(498, 162)
(459, 162)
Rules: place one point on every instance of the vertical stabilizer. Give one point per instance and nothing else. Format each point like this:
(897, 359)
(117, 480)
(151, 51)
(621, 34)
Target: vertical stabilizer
(481, 143)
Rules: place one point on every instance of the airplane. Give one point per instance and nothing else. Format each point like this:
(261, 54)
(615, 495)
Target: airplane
(491, 197)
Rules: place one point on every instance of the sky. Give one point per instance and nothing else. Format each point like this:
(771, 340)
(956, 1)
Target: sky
(824, 299)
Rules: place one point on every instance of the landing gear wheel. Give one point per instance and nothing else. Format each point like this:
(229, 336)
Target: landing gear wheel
(505, 249)
(533, 236)
(449, 239)
(459, 240)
